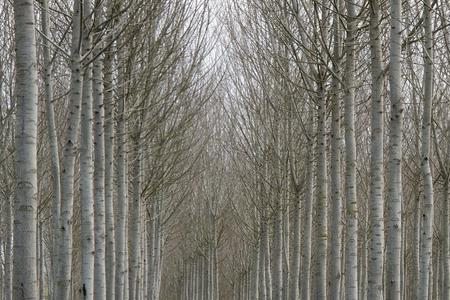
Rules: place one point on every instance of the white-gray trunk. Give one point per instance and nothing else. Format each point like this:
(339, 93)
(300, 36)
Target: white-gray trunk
(322, 199)
(376, 202)
(151, 253)
(335, 271)
(26, 92)
(305, 282)
(394, 182)
(277, 261)
(446, 242)
(87, 166)
(108, 103)
(261, 262)
(296, 251)
(8, 292)
(52, 137)
(135, 211)
(99, 163)
(351, 234)
(427, 210)
(122, 195)
(64, 279)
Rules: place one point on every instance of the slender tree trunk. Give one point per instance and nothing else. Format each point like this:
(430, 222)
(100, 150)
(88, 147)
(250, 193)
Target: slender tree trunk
(8, 294)
(86, 166)
(446, 242)
(427, 210)
(335, 271)
(322, 198)
(52, 136)
(122, 195)
(135, 213)
(108, 102)
(305, 287)
(64, 279)
(394, 185)
(26, 91)
(151, 255)
(99, 163)
(351, 251)
(376, 203)
(277, 261)
(261, 262)
(296, 253)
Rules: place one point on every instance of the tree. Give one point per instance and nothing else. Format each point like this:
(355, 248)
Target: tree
(25, 284)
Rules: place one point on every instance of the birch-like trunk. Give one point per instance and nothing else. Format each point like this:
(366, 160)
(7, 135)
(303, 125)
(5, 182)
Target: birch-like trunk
(351, 247)
(376, 202)
(277, 260)
(52, 137)
(135, 214)
(335, 271)
(8, 291)
(322, 198)
(122, 201)
(26, 92)
(86, 165)
(151, 254)
(394, 182)
(261, 262)
(427, 210)
(446, 241)
(305, 282)
(99, 163)
(296, 251)
(64, 277)
(108, 103)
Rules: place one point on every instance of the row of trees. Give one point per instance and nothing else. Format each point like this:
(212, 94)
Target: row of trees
(107, 101)
(247, 150)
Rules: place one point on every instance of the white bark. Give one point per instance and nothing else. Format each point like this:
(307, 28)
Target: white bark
(426, 240)
(351, 250)
(394, 182)
(52, 136)
(296, 253)
(335, 271)
(305, 282)
(26, 91)
(376, 202)
(322, 199)
(122, 194)
(135, 214)
(86, 166)
(108, 102)
(63, 282)
(99, 163)
(8, 292)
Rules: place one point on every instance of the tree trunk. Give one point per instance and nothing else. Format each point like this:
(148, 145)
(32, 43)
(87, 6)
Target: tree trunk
(122, 194)
(394, 179)
(135, 214)
(53, 138)
(99, 163)
(64, 279)
(305, 287)
(26, 91)
(86, 166)
(427, 210)
(8, 249)
(335, 271)
(351, 234)
(108, 102)
(322, 198)
(376, 203)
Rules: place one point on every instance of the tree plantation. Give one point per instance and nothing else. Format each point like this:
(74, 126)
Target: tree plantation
(224, 150)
